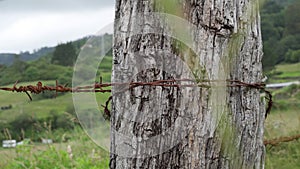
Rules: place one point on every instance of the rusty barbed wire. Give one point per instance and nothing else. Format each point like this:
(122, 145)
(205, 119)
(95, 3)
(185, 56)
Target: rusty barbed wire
(100, 88)
(276, 141)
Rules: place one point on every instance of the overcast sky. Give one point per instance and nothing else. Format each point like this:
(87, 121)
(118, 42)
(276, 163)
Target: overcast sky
(31, 24)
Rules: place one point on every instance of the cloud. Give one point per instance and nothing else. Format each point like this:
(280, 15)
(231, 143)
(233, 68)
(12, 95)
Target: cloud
(45, 29)
(53, 5)
(34, 25)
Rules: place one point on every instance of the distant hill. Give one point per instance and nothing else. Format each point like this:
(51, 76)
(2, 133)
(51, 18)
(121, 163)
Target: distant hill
(40, 65)
(8, 58)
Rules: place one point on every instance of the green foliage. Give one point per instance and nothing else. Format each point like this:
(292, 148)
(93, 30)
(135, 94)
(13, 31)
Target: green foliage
(55, 65)
(292, 56)
(16, 71)
(65, 78)
(25, 123)
(64, 54)
(50, 158)
(36, 128)
(37, 70)
(280, 30)
(292, 18)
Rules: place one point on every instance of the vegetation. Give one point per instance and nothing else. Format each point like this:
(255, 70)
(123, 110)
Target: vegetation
(54, 65)
(8, 58)
(40, 69)
(47, 118)
(80, 152)
(47, 107)
(284, 73)
(281, 32)
(49, 115)
(284, 120)
(64, 54)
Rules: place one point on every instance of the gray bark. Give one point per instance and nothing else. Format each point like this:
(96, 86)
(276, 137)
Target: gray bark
(187, 127)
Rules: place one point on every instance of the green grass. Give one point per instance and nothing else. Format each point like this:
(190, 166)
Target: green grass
(21, 104)
(85, 154)
(282, 123)
(287, 68)
(284, 120)
(285, 73)
(284, 155)
(38, 108)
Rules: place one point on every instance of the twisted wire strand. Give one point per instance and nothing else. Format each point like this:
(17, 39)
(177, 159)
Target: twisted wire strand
(101, 88)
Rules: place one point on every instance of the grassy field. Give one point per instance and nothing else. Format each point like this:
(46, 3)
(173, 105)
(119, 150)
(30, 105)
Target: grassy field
(285, 73)
(22, 105)
(86, 154)
(79, 153)
(278, 124)
(284, 120)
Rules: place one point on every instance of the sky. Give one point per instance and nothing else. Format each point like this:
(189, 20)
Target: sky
(26, 25)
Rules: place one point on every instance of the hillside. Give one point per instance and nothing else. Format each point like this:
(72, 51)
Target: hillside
(8, 58)
(54, 65)
(280, 32)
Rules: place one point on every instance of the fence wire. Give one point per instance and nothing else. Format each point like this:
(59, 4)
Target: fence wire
(102, 88)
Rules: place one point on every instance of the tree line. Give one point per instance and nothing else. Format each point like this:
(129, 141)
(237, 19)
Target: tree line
(280, 23)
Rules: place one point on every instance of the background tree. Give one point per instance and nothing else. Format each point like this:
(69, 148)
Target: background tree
(280, 30)
(292, 18)
(64, 54)
(226, 45)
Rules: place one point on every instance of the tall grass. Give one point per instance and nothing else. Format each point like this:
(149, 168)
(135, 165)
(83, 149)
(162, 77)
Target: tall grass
(284, 120)
(79, 153)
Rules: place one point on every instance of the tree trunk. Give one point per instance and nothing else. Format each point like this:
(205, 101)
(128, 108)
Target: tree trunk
(207, 122)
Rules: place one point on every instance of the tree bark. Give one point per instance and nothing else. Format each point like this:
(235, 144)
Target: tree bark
(210, 126)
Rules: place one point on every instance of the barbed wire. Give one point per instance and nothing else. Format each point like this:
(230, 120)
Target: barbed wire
(102, 88)
(276, 141)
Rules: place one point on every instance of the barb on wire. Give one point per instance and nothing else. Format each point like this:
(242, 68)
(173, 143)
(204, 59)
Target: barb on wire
(100, 87)
(276, 141)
